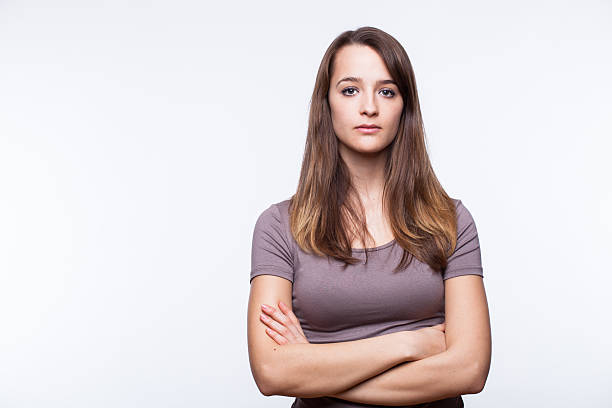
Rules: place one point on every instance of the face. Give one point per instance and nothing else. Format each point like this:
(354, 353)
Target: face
(362, 92)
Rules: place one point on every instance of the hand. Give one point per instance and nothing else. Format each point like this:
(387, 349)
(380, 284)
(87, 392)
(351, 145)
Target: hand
(429, 341)
(283, 326)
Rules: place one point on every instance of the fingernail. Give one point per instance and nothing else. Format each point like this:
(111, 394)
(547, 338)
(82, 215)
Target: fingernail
(265, 307)
(282, 304)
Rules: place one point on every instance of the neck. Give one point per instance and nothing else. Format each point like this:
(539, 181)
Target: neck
(367, 172)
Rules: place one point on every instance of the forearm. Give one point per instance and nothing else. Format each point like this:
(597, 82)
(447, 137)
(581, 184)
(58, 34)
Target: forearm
(433, 378)
(316, 370)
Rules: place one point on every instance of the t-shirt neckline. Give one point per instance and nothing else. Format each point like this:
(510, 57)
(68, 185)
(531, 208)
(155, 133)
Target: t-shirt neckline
(378, 248)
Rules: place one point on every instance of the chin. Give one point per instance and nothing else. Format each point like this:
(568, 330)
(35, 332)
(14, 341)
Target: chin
(367, 146)
(370, 150)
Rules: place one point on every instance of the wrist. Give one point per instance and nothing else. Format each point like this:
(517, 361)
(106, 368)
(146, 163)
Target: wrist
(410, 345)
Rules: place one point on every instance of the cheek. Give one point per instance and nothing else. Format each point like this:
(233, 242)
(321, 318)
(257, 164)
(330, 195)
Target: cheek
(396, 115)
(339, 119)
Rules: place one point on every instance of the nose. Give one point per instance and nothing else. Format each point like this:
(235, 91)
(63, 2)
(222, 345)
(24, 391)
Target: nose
(368, 104)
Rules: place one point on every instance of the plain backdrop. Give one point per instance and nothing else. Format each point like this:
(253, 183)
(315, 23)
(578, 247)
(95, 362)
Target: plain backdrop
(140, 141)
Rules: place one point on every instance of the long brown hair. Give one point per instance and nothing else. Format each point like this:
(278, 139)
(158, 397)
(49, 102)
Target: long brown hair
(325, 206)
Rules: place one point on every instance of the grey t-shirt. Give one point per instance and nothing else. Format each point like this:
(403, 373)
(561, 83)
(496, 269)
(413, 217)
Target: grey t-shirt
(366, 299)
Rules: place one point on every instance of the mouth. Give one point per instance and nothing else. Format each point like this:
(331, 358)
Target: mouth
(368, 128)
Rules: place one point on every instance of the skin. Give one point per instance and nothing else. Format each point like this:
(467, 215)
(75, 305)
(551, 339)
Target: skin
(365, 100)
(444, 360)
(284, 327)
(361, 91)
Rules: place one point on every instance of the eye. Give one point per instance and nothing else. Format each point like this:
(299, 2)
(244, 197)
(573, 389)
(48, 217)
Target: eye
(349, 89)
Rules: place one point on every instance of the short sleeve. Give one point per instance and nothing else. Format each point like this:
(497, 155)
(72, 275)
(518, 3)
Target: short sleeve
(466, 259)
(271, 253)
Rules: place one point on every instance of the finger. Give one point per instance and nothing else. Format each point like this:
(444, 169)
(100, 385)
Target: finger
(277, 315)
(291, 316)
(280, 317)
(297, 327)
(288, 312)
(276, 337)
(274, 325)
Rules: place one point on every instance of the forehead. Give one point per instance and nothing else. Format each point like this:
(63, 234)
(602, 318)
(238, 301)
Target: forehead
(359, 61)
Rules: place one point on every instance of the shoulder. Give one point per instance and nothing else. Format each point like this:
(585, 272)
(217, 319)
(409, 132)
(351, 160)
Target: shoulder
(464, 216)
(459, 206)
(274, 222)
(272, 248)
(276, 214)
(282, 208)
(466, 257)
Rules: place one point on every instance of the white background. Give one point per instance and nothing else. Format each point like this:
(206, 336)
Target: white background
(139, 142)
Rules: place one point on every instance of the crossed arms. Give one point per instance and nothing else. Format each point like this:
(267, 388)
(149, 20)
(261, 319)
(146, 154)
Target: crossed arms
(380, 370)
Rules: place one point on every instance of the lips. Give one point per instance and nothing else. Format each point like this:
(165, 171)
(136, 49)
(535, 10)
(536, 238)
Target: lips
(368, 126)
(368, 130)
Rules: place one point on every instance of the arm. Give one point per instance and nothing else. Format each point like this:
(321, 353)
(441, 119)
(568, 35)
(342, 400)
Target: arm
(461, 369)
(312, 370)
(307, 370)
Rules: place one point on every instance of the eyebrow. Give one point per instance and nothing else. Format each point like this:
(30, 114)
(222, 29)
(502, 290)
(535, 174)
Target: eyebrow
(357, 79)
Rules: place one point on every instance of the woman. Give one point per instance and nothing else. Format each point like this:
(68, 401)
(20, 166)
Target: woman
(366, 285)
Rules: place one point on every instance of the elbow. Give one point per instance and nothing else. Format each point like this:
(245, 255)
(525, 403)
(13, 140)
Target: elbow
(262, 379)
(266, 391)
(478, 378)
(267, 381)
(476, 386)
(264, 388)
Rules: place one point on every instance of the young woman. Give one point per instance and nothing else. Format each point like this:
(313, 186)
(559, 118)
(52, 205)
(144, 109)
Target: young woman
(367, 284)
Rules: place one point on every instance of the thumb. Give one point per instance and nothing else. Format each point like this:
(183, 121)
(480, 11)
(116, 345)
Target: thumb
(441, 326)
